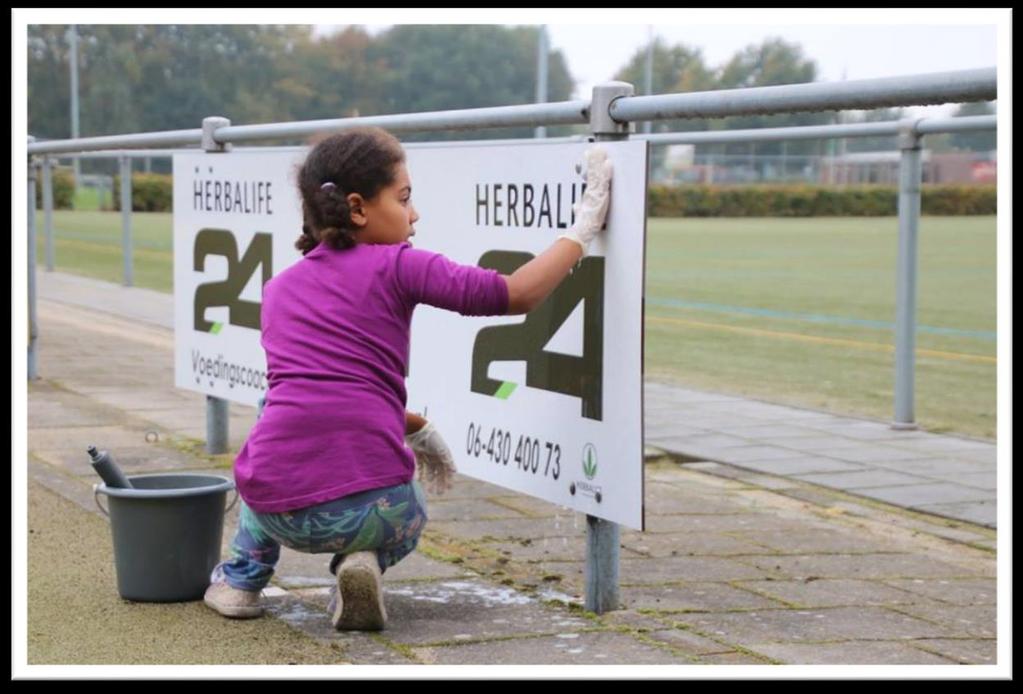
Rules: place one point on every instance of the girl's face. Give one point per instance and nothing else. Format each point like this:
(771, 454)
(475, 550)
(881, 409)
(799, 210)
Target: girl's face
(388, 217)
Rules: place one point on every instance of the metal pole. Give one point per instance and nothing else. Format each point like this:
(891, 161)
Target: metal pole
(649, 76)
(832, 152)
(926, 126)
(73, 55)
(816, 132)
(910, 90)
(841, 151)
(602, 537)
(48, 210)
(33, 325)
(541, 75)
(126, 220)
(905, 311)
(217, 420)
(217, 414)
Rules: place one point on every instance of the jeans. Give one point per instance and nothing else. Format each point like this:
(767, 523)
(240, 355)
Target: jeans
(387, 521)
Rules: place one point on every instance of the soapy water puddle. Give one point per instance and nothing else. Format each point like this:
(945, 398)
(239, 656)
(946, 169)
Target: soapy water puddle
(295, 612)
(553, 595)
(305, 581)
(447, 592)
(442, 593)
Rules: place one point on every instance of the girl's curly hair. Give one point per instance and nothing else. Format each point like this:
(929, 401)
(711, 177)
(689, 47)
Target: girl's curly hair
(361, 160)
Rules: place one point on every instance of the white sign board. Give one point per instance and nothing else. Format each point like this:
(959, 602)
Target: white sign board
(547, 404)
(236, 219)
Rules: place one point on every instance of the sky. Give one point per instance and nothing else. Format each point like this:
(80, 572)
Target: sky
(849, 45)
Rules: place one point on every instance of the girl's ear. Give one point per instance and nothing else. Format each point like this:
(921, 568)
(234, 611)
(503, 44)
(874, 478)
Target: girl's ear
(356, 209)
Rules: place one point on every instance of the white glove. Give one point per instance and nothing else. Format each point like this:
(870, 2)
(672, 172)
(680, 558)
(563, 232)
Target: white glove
(591, 210)
(433, 459)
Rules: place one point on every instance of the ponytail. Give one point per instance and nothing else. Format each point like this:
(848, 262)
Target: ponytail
(332, 205)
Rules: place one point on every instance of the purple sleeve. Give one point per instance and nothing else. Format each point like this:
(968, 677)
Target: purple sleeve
(431, 278)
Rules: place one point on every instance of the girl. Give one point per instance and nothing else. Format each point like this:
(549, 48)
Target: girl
(329, 466)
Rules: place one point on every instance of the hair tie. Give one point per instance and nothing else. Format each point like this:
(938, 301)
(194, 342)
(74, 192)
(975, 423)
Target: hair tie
(328, 186)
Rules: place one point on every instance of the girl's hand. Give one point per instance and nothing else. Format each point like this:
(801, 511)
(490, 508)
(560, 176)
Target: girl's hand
(433, 459)
(591, 211)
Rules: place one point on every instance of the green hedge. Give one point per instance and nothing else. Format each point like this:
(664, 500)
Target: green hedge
(958, 200)
(149, 192)
(813, 201)
(63, 190)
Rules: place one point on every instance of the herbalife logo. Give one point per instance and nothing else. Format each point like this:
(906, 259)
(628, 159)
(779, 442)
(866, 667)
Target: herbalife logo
(590, 470)
(590, 461)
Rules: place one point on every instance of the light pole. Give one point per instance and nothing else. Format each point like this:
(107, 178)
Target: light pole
(72, 37)
(648, 82)
(541, 75)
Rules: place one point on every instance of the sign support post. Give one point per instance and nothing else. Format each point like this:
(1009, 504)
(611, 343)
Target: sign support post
(129, 271)
(910, 177)
(48, 210)
(217, 414)
(33, 322)
(602, 537)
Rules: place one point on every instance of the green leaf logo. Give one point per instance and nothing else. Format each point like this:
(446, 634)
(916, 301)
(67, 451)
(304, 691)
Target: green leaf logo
(590, 461)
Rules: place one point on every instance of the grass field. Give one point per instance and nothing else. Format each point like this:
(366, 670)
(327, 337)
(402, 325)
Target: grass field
(795, 311)
(89, 199)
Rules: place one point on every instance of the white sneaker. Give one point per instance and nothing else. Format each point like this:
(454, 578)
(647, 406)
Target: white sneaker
(359, 602)
(232, 602)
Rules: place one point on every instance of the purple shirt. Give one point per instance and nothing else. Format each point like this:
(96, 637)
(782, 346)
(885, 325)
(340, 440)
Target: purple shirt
(336, 334)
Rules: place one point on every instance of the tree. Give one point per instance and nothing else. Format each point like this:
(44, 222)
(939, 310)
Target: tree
(168, 77)
(49, 102)
(675, 69)
(192, 72)
(442, 67)
(339, 75)
(773, 62)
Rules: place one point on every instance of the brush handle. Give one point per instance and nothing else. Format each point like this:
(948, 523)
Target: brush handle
(107, 469)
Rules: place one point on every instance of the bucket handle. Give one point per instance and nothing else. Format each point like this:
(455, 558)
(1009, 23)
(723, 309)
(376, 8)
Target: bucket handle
(95, 495)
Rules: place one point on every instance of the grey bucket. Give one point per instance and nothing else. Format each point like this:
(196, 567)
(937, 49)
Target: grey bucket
(167, 531)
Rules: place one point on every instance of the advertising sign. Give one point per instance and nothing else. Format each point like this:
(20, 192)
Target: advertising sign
(236, 218)
(550, 403)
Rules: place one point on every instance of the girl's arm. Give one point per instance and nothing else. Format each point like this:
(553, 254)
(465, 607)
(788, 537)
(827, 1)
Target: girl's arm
(531, 284)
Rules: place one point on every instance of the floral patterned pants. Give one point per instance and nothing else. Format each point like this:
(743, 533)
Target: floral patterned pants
(387, 521)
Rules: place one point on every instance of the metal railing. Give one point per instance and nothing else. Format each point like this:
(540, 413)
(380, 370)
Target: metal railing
(608, 114)
(914, 90)
(920, 126)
